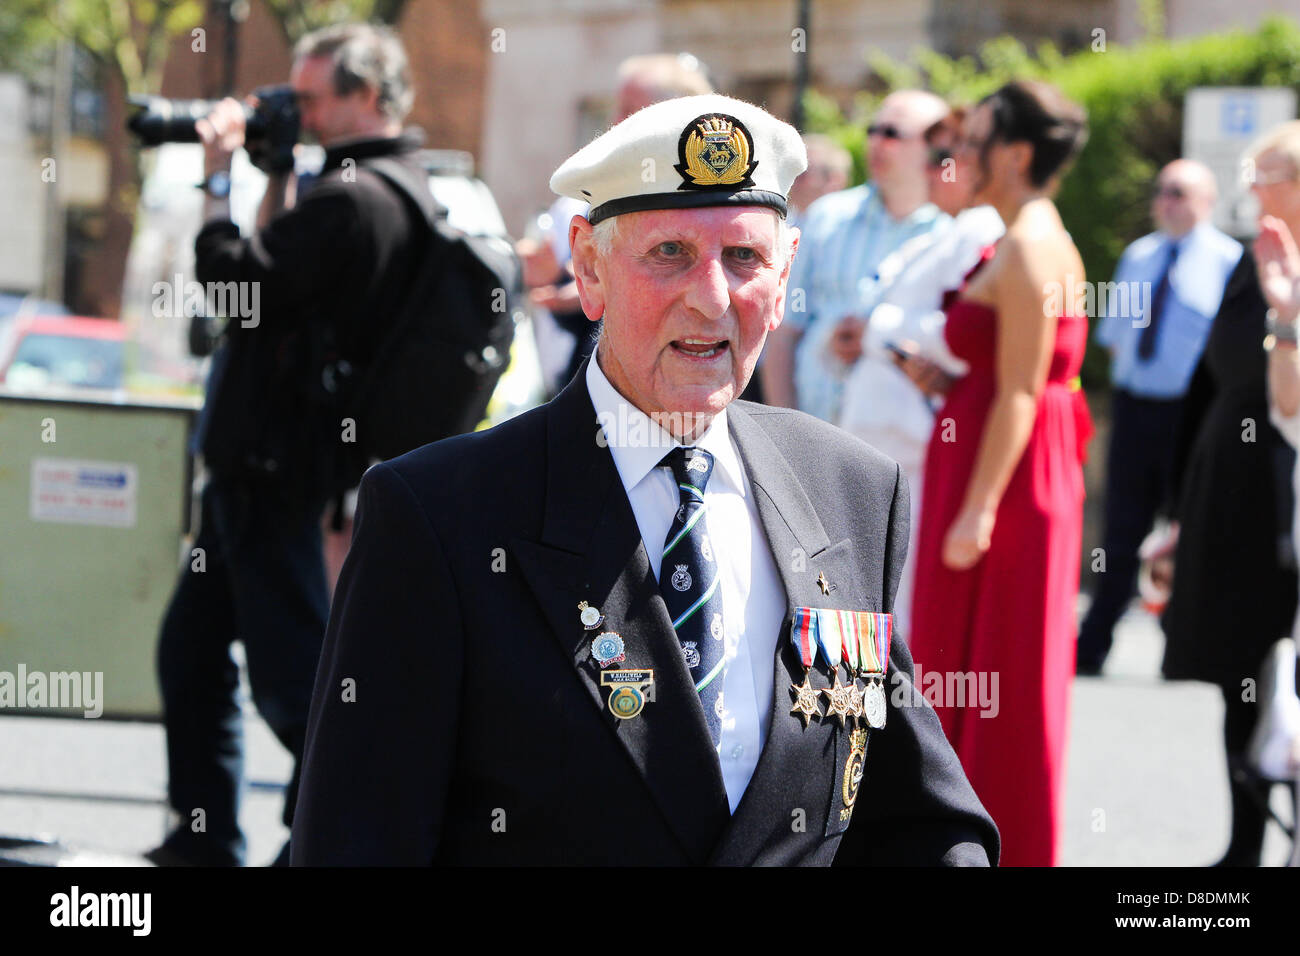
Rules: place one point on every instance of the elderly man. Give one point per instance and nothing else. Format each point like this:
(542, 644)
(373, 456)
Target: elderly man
(846, 235)
(644, 623)
(1174, 280)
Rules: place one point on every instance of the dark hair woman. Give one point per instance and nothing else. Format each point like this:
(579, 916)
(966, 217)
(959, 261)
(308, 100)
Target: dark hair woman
(997, 564)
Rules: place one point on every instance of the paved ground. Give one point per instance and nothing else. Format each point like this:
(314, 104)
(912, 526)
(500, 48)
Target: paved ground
(1146, 778)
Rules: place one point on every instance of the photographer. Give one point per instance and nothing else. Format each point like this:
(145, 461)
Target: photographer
(329, 271)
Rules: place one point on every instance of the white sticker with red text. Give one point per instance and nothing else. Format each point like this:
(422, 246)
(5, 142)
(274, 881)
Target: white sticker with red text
(70, 491)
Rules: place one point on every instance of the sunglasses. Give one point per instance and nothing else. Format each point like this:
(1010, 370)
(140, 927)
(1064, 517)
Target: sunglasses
(1170, 192)
(939, 155)
(887, 130)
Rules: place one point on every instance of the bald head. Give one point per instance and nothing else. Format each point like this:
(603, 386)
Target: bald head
(897, 150)
(1185, 196)
(921, 108)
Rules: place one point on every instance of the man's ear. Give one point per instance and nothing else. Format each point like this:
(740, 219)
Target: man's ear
(590, 291)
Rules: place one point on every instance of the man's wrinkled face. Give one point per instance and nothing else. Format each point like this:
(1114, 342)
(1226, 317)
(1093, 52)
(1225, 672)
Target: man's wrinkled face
(688, 297)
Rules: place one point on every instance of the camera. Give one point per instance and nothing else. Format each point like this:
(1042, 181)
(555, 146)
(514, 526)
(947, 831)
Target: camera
(269, 135)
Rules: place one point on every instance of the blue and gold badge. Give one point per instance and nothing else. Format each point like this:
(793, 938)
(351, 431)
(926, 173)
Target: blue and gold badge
(715, 152)
(631, 690)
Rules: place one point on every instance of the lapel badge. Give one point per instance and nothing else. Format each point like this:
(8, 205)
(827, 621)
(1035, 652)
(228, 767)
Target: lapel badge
(607, 648)
(823, 583)
(853, 772)
(590, 616)
(631, 691)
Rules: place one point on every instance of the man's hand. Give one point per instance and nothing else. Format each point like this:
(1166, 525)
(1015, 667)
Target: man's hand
(222, 132)
(1277, 262)
(846, 341)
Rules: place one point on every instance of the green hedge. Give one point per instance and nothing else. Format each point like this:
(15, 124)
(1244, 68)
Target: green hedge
(1134, 97)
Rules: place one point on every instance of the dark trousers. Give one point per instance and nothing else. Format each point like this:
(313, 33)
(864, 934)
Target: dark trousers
(261, 581)
(1138, 474)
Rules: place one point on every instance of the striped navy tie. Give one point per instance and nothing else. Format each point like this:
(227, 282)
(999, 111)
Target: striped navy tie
(689, 583)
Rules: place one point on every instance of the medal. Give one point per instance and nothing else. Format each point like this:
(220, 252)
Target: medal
(590, 616)
(856, 695)
(850, 639)
(631, 690)
(873, 703)
(803, 635)
(839, 702)
(876, 631)
(607, 648)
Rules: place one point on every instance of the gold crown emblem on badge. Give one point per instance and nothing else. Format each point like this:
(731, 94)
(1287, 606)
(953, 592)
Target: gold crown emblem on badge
(715, 151)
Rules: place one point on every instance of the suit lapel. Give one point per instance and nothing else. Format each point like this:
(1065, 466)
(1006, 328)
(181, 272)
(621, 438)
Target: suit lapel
(591, 550)
(802, 551)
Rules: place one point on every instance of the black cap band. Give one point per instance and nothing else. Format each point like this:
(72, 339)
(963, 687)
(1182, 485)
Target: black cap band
(687, 200)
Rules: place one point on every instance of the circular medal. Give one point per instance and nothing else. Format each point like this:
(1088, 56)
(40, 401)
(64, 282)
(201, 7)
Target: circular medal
(607, 648)
(591, 618)
(873, 704)
(626, 702)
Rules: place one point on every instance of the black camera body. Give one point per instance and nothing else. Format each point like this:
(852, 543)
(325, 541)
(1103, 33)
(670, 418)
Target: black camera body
(269, 135)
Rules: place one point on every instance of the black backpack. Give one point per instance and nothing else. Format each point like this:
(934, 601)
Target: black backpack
(435, 368)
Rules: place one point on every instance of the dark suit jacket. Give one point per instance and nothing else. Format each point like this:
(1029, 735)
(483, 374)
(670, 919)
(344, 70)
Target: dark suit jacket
(478, 731)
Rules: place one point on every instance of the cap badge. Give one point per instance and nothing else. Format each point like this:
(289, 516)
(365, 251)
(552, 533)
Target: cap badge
(714, 150)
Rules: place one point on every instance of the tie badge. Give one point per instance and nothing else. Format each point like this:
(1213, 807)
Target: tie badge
(632, 690)
(607, 648)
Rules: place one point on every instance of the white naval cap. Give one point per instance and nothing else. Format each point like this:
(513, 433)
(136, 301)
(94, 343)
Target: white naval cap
(683, 153)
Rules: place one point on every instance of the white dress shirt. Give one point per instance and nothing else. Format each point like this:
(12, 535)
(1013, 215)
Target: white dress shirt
(753, 597)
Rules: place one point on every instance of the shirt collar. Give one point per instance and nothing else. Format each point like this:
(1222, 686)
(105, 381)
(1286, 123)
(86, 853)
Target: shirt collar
(638, 443)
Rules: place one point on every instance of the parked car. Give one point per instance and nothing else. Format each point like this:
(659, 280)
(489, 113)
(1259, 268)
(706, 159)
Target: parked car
(53, 351)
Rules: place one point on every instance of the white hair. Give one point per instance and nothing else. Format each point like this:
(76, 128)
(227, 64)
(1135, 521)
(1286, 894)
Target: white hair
(605, 232)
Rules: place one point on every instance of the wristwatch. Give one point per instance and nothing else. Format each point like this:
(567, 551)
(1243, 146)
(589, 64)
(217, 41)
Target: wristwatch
(217, 185)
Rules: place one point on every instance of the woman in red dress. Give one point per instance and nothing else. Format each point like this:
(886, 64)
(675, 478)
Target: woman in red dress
(997, 563)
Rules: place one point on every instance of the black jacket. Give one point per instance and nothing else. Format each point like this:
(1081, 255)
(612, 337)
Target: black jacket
(458, 715)
(330, 271)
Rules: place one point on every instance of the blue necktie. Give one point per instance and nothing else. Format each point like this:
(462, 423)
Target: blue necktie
(1147, 341)
(689, 583)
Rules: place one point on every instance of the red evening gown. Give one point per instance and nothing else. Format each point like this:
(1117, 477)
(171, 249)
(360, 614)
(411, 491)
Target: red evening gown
(1013, 614)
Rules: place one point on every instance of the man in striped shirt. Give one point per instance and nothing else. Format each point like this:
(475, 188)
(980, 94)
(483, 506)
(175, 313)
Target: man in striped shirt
(845, 235)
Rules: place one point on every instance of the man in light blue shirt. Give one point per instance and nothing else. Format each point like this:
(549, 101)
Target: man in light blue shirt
(1156, 317)
(844, 237)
